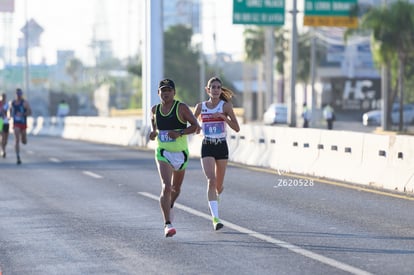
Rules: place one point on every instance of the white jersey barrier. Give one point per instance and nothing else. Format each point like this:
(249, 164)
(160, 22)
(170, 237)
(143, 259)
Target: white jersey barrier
(111, 130)
(385, 161)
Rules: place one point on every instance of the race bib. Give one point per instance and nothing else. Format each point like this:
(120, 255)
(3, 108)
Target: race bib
(18, 118)
(213, 128)
(163, 136)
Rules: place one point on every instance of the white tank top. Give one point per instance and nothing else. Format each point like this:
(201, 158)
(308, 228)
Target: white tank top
(213, 127)
(5, 110)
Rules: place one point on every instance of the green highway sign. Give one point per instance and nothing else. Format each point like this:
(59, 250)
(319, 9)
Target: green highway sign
(259, 12)
(333, 13)
(15, 74)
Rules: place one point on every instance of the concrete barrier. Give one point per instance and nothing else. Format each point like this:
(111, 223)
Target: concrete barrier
(403, 162)
(339, 155)
(385, 161)
(301, 149)
(250, 146)
(375, 161)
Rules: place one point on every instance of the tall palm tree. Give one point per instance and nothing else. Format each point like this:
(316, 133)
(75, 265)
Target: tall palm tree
(74, 68)
(392, 32)
(255, 44)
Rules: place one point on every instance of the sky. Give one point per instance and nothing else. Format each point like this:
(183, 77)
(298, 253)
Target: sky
(68, 25)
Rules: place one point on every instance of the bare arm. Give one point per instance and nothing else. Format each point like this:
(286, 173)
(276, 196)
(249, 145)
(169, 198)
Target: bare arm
(154, 132)
(230, 117)
(187, 116)
(197, 110)
(197, 113)
(28, 109)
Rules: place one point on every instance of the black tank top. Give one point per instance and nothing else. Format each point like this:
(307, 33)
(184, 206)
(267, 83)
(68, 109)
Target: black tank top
(171, 120)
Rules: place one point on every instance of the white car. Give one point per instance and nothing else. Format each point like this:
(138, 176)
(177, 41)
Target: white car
(277, 113)
(374, 117)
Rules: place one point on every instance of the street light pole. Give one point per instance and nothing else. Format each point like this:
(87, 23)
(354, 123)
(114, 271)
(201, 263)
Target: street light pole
(313, 69)
(201, 54)
(384, 92)
(269, 63)
(26, 53)
(153, 61)
(293, 49)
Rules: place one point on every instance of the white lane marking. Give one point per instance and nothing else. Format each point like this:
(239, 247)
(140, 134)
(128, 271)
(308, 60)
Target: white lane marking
(294, 248)
(91, 174)
(55, 160)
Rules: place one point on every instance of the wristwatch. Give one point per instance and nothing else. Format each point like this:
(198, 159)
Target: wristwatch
(181, 132)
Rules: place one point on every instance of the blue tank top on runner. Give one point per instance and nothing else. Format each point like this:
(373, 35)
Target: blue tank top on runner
(18, 111)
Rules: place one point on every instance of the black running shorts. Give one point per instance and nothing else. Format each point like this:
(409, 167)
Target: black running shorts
(217, 149)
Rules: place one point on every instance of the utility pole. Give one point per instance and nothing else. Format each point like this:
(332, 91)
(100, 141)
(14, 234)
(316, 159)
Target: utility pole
(293, 49)
(201, 55)
(269, 63)
(385, 92)
(153, 60)
(26, 53)
(313, 70)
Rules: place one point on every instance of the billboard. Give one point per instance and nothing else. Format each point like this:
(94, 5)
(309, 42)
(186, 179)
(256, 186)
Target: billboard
(355, 93)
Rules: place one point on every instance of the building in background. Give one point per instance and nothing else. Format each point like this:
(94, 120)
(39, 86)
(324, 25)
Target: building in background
(184, 12)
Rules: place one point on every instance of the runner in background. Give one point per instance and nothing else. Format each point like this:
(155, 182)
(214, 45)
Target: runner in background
(20, 110)
(6, 125)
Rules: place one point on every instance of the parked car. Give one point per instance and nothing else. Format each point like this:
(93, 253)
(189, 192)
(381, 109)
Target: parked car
(408, 114)
(374, 117)
(277, 113)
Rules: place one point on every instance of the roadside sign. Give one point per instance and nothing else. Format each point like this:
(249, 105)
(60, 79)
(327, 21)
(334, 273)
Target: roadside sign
(330, 13)
(269, 12)
(15, 74)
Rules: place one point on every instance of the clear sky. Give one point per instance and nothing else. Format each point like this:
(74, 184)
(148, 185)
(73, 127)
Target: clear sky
(68, 25)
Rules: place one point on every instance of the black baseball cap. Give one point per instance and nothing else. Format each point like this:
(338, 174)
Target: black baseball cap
(166, 83)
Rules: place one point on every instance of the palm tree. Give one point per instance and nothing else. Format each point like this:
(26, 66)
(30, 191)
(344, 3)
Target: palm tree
(255, 46)
(254, 43)
(393, 41)
(74, 68)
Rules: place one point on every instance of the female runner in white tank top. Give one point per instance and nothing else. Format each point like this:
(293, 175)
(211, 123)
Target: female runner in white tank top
(215, 114)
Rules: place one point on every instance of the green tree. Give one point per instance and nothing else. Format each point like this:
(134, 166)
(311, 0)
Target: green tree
(393, 42)
(254, 47)
(74, 68)
(255, 43)
(134, 68)
(409, 76)
(181, 63)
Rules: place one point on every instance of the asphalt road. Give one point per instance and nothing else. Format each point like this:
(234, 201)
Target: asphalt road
(81, 208)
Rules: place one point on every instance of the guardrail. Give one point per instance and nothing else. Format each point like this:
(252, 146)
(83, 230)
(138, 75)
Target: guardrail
(384, 161)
